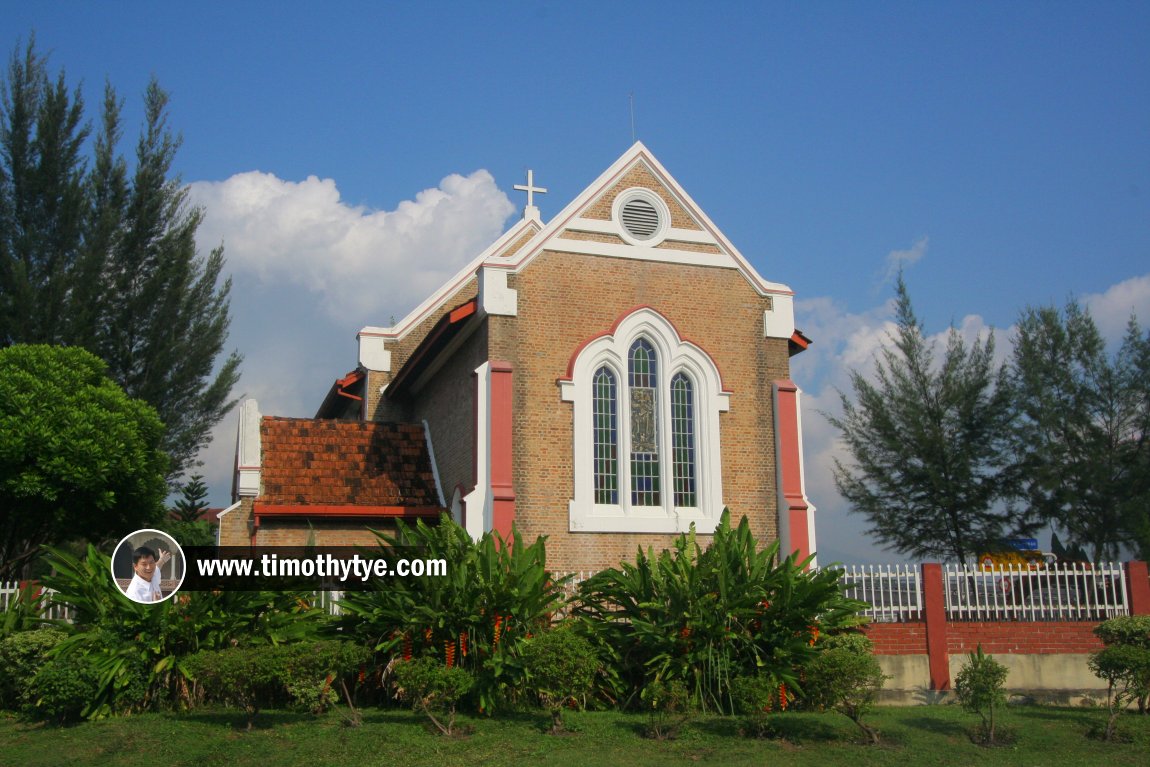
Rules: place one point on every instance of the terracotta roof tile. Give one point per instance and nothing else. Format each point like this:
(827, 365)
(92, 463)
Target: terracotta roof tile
(326, 462)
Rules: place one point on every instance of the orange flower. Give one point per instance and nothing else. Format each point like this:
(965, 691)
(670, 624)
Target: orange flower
(406, 647)
(782, 697)
(463, 643)
(449, 652)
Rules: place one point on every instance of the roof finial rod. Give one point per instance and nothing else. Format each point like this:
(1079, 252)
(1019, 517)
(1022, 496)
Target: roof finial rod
(631, 96)
(530, 211)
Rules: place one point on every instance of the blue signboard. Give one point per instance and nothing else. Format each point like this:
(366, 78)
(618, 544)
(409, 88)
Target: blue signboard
(1023, 544)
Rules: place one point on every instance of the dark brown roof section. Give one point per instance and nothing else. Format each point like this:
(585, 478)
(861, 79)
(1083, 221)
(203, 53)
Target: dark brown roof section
(345, 468)
(797, 343)
(433, 344)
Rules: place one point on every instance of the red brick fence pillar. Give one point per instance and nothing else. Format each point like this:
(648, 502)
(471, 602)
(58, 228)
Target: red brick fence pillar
(1138, 588)
(934, 613)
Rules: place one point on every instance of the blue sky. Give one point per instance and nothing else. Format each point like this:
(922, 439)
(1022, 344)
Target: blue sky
(350, 155)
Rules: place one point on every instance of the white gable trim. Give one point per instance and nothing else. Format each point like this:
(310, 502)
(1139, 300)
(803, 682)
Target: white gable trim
(662, 255)
(571, 218)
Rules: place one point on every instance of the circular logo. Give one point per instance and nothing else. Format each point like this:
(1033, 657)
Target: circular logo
(148, 566)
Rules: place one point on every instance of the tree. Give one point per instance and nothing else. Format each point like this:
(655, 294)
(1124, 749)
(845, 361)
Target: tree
(929, 444)
(78, 457)
(192, 503)
(95, 256)
(1083, 426)
(186, 523)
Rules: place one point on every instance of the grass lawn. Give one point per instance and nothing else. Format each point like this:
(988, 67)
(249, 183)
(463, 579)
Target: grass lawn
(926, 735)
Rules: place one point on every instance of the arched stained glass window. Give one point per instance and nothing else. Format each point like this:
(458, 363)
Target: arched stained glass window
(683, 441)
(643, 374)
(606, 436)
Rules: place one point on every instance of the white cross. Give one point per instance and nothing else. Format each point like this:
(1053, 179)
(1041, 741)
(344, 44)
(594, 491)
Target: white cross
(531, 189)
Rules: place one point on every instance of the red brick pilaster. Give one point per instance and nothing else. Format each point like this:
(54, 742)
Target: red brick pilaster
(934, 610)
(1138, 587)
(502, 488)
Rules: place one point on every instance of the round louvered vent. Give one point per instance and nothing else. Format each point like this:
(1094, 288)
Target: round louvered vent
(640, 219)
(642, 216)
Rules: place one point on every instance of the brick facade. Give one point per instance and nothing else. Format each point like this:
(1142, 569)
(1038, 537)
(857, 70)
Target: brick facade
(566, 299)
(572, 285)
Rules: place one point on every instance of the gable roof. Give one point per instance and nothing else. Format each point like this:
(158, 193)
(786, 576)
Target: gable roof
(527, 239)
(317, 467)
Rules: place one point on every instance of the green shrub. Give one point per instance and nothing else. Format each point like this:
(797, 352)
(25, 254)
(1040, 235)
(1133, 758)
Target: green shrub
(846, 677)
(21, 656)
(248, 677)
(979, 686)
(561, 668)
(61, 689)
(1130, 630)
(433, 689)
(669, 708)
(708, 616)
(475, 617)
(312, 672)
(308, 674)
(758, 698)
(1125, 665)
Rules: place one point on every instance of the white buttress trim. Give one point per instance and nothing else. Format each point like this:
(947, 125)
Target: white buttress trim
(248, 450)
(779, 320)
(434, 466)
(478, 501)
(494, 295)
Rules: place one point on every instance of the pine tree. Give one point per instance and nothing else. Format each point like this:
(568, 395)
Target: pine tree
(105, 259)
(929, 444)
(41, 200)
(1083, 433)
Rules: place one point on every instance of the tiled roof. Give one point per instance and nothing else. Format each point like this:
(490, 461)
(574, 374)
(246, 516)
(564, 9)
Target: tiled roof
(317, 462)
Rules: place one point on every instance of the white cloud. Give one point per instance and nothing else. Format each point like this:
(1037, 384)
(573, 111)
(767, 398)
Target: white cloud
(309, 270)
(1112, 309)
(900, 259)
(362, 263)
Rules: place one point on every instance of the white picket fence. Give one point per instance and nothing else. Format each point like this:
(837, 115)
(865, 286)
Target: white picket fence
(1058, 592)
(894, 592)
(9, 590)
(1061, 592)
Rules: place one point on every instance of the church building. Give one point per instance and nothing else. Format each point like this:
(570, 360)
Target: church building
(607, 379)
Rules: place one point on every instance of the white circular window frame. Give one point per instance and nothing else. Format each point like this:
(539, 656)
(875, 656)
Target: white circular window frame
(660, 205)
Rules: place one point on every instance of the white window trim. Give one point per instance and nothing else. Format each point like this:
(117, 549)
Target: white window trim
(674, 355)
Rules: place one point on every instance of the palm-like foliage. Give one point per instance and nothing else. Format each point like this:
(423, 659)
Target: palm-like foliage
(496, 593)
(707, 616)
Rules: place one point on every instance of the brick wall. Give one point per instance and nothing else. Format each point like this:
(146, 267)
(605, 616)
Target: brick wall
(1005, 637)
(447, 403)
(898, 638)
(566, 299)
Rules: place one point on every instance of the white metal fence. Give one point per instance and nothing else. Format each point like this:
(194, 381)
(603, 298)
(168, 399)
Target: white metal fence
(10, 589)
(894, 592)
(1061, 592)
